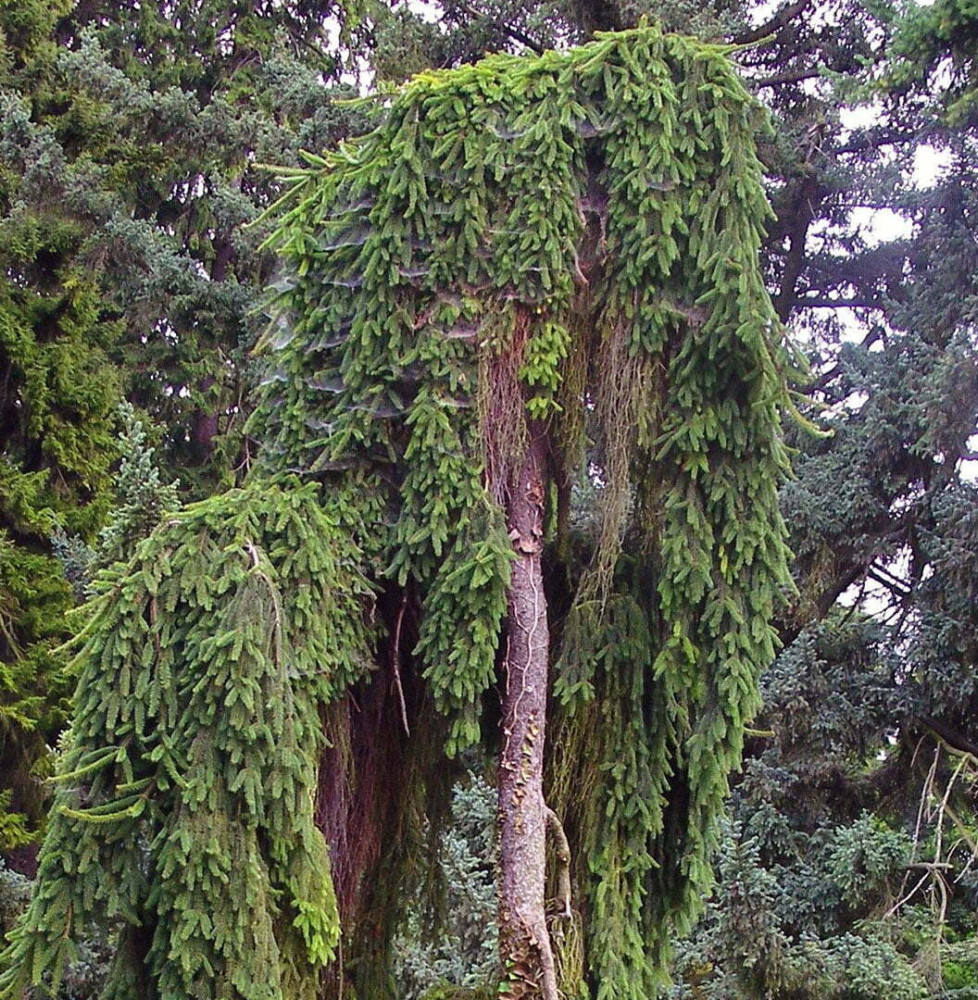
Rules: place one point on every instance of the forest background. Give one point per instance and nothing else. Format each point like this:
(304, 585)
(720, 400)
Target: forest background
(132, 139)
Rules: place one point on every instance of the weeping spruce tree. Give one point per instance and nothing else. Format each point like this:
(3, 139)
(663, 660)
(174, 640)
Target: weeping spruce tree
(521, 446)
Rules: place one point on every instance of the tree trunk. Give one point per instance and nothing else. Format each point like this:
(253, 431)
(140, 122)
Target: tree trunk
(525, 946)
(203, 426)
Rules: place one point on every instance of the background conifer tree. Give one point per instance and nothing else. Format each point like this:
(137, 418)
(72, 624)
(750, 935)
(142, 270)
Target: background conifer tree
(128, 137)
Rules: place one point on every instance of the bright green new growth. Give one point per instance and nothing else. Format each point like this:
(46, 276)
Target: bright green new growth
(583, 227)
(185, 803)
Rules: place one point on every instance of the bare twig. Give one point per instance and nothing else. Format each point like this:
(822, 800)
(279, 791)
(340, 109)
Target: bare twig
(396, 663)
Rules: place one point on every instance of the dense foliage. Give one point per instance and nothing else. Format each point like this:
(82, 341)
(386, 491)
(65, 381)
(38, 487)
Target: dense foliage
(436, 319)
(127, 159)
(186, 805)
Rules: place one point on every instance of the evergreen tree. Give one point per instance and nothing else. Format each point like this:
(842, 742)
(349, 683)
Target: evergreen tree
(533, 276)
(140, 130)
(880, 511)
(56, 412)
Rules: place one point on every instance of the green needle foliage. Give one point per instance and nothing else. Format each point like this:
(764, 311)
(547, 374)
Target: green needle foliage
(597, 217)
(185, 803)
(565, 245)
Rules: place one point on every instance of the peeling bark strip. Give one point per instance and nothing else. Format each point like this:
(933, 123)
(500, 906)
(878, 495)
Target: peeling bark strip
(562, 852)
(524, 940)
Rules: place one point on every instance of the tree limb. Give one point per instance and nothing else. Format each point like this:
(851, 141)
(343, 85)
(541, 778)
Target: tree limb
(788, 76)
(824, 302)
(780, 20)
(806, 197)
(895, 588)
(873, 140)
(507, 29)
(950, 737)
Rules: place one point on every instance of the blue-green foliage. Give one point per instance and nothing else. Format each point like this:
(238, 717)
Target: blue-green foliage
(779, 930)
(141, 497)
(843, 875)
(456, 942)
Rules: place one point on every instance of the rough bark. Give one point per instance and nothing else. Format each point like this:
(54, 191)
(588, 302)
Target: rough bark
(525, 945)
